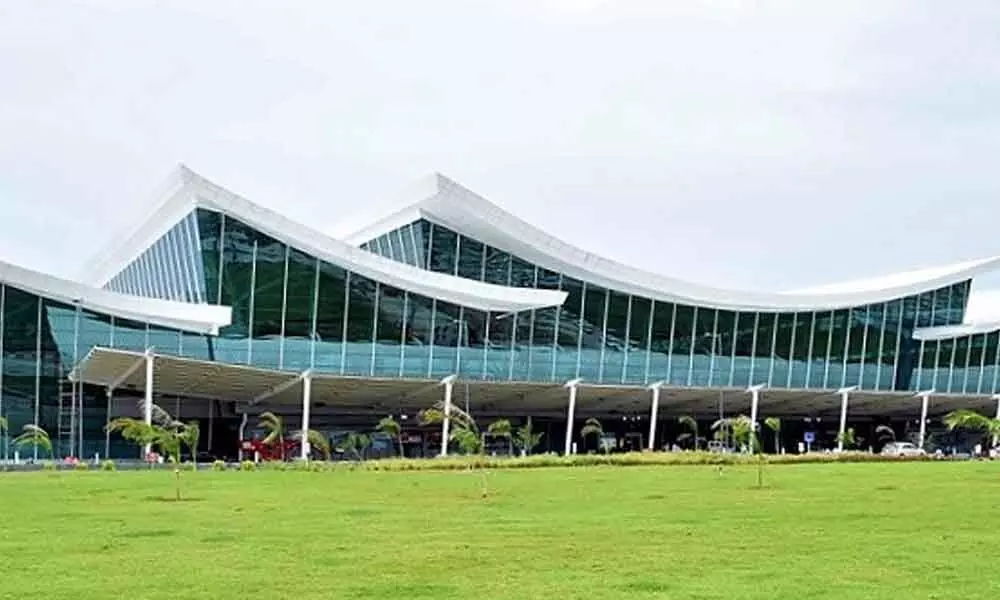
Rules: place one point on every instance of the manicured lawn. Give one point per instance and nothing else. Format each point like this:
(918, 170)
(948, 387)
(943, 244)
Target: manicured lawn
(837, 531)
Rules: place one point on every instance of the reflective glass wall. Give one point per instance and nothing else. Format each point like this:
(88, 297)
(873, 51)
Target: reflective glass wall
(605, 336)
(40, 342)
(169, 269)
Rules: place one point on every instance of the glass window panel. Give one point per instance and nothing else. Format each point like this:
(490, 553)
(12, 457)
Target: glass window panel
(269, 291)
(443, 246)
(299, 302)
(470, 260)
(360, 326)
(389, 330)
(331, 308)
(568, 351)
(634, 371)
(449, 333)
(702, 347)
(592, 330)
(418, 335)
(497, 269)
(763, 351)
(543, 356)
(784, 332)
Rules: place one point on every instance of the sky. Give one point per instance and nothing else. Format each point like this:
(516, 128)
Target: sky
(748, 144)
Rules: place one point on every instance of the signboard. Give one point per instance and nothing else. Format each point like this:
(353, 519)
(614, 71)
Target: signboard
(810, 437)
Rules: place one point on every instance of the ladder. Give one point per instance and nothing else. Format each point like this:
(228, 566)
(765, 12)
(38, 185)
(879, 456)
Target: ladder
(66, 418)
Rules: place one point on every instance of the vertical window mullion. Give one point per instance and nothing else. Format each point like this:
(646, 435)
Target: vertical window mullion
(347, 316)
(284, 310)
(604, 336)
(670, 346)
(628, 338)
(253, 299)
(694, 331)
(649, 339)
(314, 317)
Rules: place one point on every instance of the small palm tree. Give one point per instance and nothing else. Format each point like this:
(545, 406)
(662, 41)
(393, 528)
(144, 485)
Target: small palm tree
(275, 428)
(744, 433)
(36, 437)
(525, 437)
(592, 427)
(884, 432)
(464, 432)
(3, 424)
(848, 439)
(394, 430)
(317, 441)
(163, 432)
(357, 443)
(774, 424)
(970, 419)
(502, 428)
(691, 424)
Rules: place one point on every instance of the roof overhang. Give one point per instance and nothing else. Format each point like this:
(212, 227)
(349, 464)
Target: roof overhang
(257, 389)
(445, 202)
(200, 318)
(189, 191)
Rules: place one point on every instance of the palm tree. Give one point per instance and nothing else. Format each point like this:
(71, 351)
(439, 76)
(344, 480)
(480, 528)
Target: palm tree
(774, 424)
(525, 437)
(394, 430)
(885, 432)
(691, 424)
(357, 443)
(164, 432)
(593, 427)
(36, 437)
(970, 419)
(317, 441)
(848, 439)
(501, 428)
(275, 428)
(464, 432)
(744, 432)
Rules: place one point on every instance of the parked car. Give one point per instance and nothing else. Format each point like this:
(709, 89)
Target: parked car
(902, 449)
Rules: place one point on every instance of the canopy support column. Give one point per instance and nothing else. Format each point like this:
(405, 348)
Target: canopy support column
(147, 403)
(653, 413)
(306, 405)
(925, 398)
(996, 439)
(107, 423)
(754, 404)
(570, 415)
(845, 395)
(449, 387)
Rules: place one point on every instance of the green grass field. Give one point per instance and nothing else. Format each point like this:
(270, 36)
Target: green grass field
(838, 531)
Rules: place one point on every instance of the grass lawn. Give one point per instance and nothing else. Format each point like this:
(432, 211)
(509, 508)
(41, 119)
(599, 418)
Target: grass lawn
(838, 531)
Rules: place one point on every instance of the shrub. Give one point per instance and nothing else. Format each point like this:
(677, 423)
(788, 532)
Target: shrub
(248, 465)
(81, 466)
(49, 466)
(219, 465)
(452, 463)
(109, 465)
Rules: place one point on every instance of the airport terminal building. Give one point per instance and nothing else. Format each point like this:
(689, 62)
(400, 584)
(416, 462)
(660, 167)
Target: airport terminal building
(218, 309)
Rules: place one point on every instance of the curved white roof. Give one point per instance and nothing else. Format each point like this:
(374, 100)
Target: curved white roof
(200, 318)
(947, 332)
(443, 201)
(188, 191)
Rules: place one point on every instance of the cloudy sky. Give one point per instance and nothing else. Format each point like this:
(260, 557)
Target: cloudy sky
(757, 144)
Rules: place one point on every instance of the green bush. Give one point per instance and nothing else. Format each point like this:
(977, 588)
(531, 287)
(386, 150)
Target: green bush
(81, 466)
(219, 465)
(248, 465)
(49, 465)
(616, 460)
(108, 465)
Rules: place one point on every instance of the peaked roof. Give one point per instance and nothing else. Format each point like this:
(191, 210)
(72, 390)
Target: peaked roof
(187, 191)
(445, 202)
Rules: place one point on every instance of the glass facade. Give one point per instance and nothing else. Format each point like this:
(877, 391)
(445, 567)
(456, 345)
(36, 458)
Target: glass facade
(605, 336)
(40, 342)
(293, 311)
(169, 269)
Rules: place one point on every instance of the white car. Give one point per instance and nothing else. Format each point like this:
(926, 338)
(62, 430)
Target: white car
(902, 449)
